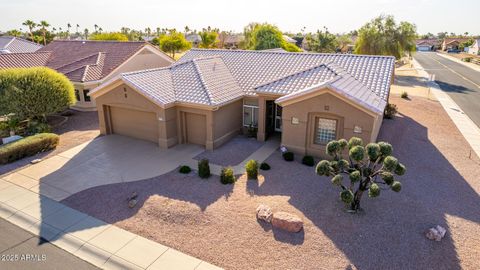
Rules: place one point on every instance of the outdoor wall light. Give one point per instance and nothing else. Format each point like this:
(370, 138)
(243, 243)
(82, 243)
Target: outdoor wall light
(357, 129)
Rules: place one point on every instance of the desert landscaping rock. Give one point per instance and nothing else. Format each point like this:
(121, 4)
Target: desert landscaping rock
(286, 221)
(436, 233)
(264, 212)
(132, 203)
(35, 161)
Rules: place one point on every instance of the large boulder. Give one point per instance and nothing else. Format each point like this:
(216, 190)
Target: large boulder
(286, 221)
(264, 212)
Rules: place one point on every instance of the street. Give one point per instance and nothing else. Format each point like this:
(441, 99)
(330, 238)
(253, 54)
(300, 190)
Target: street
(460, 82)
(20, 249)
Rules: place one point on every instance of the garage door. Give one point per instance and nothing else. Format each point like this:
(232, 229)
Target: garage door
(196, 125)
(423, 48)
(134, 123)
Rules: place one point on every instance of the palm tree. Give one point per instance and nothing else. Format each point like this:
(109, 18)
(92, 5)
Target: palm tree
(44, 25)
(54, 29)
(68, 29)
(30, 24)
(77, 28)
(86, 33)
(158, 31)
(95, 26)
(100, 30)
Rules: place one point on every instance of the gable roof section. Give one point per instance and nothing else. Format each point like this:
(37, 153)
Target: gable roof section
(204, 81)
(24, 60)
(254, 68)
(17, 45)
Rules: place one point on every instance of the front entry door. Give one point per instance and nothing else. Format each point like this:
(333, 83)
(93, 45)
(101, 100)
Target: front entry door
(278, 118)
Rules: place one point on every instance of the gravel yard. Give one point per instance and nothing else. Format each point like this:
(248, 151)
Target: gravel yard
(79, 128)
(216, 223)
(233, 152)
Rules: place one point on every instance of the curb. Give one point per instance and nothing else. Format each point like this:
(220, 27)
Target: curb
(469, 65)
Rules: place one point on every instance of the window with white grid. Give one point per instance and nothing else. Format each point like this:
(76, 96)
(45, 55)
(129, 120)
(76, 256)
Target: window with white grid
(326, 130)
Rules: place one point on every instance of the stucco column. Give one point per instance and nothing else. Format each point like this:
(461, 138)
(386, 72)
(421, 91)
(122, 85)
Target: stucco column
(210, 127)
(261, 119)
(162, 130)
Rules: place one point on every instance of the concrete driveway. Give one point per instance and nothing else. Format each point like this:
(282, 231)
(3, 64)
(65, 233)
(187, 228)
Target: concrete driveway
(105, 160)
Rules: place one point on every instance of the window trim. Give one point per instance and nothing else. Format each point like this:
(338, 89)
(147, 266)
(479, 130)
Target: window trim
(310, 143)
(252, 116)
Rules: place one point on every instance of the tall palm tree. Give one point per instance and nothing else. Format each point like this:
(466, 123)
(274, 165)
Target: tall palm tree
(30, 24)
(100, 30)
(95, 26)
(86, 33)
(158, 31)
(44, 25)
(77, 28)
(68, 29)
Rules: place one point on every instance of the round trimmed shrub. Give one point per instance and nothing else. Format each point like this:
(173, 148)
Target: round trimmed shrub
(203, 168)
(390, 163)
(374, 190)
(337, 180)
(386, 149)
(396, 186)
(227, 176)
(354, 141)
(387, 177)
(390, 111)
(355, 176)
(400, 169)
(184, 169)
(373, 151)
(346, 196)
(357, 153)
(288, 156)
(308, 160)
(333, 147)
(323, 168)
(264, 166)
(252, 169)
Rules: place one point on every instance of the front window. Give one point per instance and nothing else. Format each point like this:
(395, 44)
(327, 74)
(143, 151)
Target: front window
(86, 97)
(77, 94)
(250, 115)
(326, 130)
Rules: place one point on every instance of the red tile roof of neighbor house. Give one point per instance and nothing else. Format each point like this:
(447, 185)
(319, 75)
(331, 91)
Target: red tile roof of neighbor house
(79, 60)
(429, 41)
(459, 40)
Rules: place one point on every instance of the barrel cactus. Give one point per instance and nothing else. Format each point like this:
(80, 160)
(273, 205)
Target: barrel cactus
(368, 168)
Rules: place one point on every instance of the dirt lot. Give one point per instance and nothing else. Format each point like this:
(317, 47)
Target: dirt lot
(79, 128)
(217, 223)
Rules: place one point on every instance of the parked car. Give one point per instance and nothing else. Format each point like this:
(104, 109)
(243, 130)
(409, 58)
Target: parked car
(453, 51)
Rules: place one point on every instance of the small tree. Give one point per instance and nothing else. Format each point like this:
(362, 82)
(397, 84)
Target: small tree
(173, 42)
(209, 38)
(109, 36)
(368, 168)
(34, 93)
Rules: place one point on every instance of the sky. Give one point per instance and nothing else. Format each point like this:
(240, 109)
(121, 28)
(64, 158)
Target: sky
(289, 15)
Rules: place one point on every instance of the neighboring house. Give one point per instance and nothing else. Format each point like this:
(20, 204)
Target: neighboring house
(289, 40)
(209, 96)
(89, 63)
(194, 38)
(232, 41)
(17, 45)
(452, 43)
(474, 49)
(425, 45)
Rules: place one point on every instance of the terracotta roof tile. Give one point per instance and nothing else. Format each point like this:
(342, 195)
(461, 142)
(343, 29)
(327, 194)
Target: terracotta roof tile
(24, 60)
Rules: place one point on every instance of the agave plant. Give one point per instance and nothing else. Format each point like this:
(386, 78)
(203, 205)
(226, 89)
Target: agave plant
(369, 168)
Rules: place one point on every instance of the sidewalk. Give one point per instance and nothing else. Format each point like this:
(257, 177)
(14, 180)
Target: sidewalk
(101, 244)
(467, 127)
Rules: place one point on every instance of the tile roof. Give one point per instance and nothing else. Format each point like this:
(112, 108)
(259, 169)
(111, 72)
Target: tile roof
(216, 77)
(17, 45)
(24, 60)
(254, 68)
(205, 81)
(96, 58)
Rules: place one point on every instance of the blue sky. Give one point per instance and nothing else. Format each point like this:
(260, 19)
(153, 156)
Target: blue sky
(292, 15)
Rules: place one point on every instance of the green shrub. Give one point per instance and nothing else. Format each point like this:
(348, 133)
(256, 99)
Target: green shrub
(404, 95)
(308, 160)
(288, 156)
(35, 127)
(390, 111)
(227, 176)
(264, 166)
(467, 59)
(184, 169)
(203, 168)
(252, 169)
(28, 146)
(31, 93)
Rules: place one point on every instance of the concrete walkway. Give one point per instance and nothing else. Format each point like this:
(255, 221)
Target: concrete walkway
(101, 244)
(467, 127)
(259, 155)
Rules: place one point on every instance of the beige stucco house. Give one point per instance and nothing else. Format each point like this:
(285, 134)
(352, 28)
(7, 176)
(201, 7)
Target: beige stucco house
(89, 63)
(209, 96)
